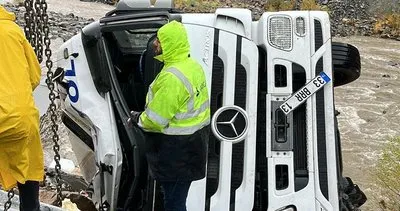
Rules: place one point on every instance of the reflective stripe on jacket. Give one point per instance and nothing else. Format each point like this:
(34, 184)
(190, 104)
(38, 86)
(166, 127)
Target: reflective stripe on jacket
(178, 100)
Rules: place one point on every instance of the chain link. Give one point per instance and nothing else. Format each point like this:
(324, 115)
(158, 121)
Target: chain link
(37, 24)
(39, 30)
(28, 21)
(8, 203)
(52, 98)
(32, 26)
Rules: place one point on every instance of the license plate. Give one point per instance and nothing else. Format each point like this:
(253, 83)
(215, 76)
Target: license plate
(304, 93)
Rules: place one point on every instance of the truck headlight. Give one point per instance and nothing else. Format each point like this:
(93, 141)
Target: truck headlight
(300, 26)
(280, 32)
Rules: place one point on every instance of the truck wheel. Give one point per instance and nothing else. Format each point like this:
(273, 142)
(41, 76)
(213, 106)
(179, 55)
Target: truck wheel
(346, 63)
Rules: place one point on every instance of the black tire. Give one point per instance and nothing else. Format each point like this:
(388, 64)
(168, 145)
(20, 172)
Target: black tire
(346, 63)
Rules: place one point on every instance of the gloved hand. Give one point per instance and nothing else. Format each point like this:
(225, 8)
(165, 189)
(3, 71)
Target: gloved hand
(135, 116)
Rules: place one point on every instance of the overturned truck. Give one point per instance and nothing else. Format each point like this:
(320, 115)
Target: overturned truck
(272, 80)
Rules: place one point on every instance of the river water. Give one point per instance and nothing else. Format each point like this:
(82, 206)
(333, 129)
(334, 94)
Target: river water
(369, 107)
(370, 111)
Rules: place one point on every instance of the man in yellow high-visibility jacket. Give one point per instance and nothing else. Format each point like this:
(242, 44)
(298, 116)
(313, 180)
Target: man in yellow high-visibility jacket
(21, 155)
(176, 117)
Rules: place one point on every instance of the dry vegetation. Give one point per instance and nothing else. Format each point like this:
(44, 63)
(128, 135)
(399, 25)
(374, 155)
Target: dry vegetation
(281, 5)
(198, 5)
(311, 5)
(388, 175)
(388, 16)
(389, 22)
(270, 5)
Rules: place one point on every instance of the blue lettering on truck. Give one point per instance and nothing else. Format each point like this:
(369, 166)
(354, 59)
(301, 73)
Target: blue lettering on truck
(71, 84)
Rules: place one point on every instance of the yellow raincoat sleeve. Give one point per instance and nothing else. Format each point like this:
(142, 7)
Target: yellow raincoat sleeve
(34, 67)
(21, 153)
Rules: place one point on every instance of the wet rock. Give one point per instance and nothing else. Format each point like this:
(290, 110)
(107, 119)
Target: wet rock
(386, 76)
(65, 24)
(69, 182)
(48, 196)
(394, 64)
(346, 20)
(350, 17)
(81, 201)
(72, 200)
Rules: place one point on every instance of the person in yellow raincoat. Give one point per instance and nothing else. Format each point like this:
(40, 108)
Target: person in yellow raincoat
(21, 154)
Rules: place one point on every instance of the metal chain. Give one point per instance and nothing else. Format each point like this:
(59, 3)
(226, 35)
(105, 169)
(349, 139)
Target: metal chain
(32, 26)
(37, 24)
(28, 21)
(34, 36)
(39, 30)
(10, 195)
(52, 98)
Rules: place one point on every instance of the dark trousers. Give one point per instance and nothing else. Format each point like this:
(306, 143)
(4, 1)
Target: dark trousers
(29, 196)
(175, 194)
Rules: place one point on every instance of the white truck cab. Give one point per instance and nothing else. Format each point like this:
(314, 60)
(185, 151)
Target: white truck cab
(272, 79)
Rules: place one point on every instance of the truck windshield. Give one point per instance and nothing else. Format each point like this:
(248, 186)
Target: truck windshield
(134, 40)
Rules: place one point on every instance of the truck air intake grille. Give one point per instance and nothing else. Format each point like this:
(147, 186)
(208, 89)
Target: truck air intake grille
(319, 39)
(217, 87)
(240, 100)
(321, 135)
(299, 132)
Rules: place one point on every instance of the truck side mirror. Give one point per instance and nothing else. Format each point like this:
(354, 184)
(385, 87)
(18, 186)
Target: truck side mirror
(58, 75)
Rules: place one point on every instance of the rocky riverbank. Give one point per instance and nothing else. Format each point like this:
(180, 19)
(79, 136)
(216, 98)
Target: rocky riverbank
(348, 17)
(360, 17)
(63, 26)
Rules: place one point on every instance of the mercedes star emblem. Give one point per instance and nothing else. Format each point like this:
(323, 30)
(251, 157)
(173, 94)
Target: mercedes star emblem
(230, 123)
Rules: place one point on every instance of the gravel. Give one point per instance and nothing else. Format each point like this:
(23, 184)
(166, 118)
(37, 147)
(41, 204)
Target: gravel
(348, 17)
(62, 26)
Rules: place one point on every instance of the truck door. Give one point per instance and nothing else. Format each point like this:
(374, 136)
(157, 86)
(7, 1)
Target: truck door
(126, 41)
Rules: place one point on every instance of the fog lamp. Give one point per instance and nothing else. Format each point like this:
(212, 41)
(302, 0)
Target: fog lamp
(300, 26)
